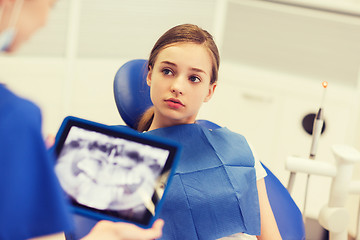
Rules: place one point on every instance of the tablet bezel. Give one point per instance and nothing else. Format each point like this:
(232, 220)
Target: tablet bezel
(127, 134)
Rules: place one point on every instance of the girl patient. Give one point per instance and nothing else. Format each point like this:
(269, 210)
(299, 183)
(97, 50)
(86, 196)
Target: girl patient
(218, 190)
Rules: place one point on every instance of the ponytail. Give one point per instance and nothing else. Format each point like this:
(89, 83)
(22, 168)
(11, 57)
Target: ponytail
(146, 120)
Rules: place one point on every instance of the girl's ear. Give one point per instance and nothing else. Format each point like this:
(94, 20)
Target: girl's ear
(148, 76)
(211, 92)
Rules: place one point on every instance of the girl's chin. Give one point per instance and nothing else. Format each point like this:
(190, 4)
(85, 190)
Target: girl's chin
(170, 118)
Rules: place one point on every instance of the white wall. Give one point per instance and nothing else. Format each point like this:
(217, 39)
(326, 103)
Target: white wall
(260, 95)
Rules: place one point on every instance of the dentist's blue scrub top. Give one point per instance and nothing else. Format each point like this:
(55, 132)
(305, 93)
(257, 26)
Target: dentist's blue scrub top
(31, 201)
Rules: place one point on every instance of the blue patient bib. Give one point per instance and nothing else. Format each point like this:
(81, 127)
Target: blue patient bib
(213, 193)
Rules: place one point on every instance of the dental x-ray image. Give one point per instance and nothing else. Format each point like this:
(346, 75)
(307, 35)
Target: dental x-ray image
(112, 175)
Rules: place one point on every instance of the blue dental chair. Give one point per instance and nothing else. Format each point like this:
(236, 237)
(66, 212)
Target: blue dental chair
(132, 97)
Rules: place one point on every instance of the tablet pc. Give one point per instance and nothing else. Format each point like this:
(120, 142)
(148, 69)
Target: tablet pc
(113, 172)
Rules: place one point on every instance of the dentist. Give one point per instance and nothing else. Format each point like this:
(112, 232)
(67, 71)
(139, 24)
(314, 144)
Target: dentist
(31, 202)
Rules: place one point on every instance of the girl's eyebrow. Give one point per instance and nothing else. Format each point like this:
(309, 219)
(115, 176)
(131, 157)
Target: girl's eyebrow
(194, 69)
(170, 63)
(198, 70)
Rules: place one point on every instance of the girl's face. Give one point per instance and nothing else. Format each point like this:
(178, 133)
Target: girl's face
(179, 83)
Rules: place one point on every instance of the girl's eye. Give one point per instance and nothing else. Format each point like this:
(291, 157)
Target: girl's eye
(167, 71)
(195, 79)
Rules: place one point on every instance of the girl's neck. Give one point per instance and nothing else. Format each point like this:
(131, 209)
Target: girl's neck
(162, 122)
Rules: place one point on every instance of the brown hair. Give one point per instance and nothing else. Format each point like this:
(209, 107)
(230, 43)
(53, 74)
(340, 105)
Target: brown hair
(185, 33)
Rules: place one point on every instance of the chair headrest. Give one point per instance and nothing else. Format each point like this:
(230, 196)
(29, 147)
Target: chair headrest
(132, 94)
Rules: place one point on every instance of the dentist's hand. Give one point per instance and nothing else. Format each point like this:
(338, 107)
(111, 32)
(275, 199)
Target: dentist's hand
(49, 141)
(124, 231)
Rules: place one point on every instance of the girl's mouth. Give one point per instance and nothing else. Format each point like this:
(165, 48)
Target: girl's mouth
(174, 103)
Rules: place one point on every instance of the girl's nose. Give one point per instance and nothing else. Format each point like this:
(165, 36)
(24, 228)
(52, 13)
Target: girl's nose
(177, 86)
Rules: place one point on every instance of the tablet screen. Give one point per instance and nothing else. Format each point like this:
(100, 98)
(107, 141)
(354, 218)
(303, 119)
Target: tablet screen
(112, 173)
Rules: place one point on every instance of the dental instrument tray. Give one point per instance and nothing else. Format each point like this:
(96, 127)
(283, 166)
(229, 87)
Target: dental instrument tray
(113, 172)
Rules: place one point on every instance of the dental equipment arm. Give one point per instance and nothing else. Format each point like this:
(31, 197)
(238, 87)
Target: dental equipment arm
(333, 217)
(316, 133)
